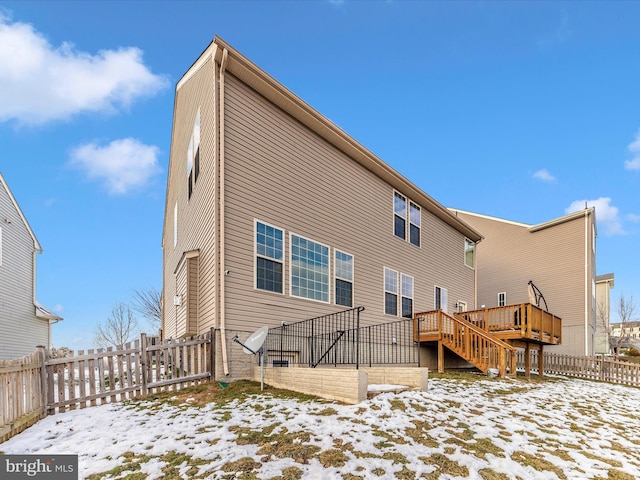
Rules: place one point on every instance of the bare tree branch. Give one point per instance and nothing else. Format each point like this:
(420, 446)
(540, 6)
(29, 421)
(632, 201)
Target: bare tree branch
(148, 303)
(626, 309)
(121, 327)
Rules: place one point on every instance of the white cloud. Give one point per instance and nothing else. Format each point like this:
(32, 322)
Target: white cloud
(634, 148)
(123, 165)
(606, 214)
(632, 217)
(544, 175)
(40, 83)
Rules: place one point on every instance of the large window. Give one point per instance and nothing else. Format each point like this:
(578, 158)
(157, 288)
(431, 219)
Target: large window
(469, 253)
(269, 257)
(309, 269)
(407, 296)
(390, 292)
(406, 216)
(343, 265)
(193, 155)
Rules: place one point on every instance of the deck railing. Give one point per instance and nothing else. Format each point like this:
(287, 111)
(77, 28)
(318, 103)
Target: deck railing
(525, 320)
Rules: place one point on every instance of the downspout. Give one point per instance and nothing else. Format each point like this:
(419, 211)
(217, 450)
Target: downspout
(223, 336)
(587, 325)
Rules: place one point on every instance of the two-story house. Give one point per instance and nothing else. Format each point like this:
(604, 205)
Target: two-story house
(274, 214)
(24, 323)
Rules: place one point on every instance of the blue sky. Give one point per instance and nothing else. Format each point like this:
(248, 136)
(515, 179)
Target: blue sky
(520, 110)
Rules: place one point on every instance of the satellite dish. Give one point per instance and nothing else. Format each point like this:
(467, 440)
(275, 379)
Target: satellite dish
(253, 344)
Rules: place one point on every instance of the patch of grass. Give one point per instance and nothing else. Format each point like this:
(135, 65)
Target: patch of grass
(327, 412)
(537, 463)
(483, 446)
(419, 434)
(397, 404)
(444, 465)
(378, 471)
(395, 457)
(333, 458)
(614, 474)
(488, 474)
(405, 474)
(132, 463)
(290, 473)
(244, 465)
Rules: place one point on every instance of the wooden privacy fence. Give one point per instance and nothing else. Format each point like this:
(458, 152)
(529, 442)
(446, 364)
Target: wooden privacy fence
(22, 399)
(606, 369)
(36, 386)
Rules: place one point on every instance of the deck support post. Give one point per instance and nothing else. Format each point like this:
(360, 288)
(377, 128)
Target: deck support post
(527, 360)
(541, 361)
(440, 358)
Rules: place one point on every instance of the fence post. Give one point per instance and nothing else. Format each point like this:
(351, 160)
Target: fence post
(44, 394)
(143, 363)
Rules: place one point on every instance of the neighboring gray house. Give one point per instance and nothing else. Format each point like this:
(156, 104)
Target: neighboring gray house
(558, 256)
(24, 323)
(273, 214)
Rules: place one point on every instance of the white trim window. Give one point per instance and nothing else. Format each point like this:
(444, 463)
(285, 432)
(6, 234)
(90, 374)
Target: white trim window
(441, 299)
(469, 253)
(407, 216)
(406, 282)
(309, 269)
(502, 299)
(269, 257)
(343, 272)
(390, 292)
(415, 220)
(193, 155)
(399, 215)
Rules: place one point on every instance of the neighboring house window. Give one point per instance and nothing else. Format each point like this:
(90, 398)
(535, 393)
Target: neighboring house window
(502, 299)
(469, 253)
(343, 265)
(399, 215)
(309, 269)
(390, 292)
(406, 213)
(441, 299)
(175, 225)
(269, 257)
(407, 296)
(193, 155)
(461, 306)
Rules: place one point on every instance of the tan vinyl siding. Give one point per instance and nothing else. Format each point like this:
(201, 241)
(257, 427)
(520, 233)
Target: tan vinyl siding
(279, 172)
(196, 215)
(21, 331)
(553, 257)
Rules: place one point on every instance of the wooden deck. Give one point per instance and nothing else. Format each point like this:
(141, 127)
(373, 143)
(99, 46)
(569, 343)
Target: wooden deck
(488, 338)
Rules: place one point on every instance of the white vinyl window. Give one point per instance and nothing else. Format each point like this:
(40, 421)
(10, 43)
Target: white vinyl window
(502, 299)
(390, 291)
(469, 253)
(309, 269)
(193, 156)
(269, 257)
(343, 265)
(407, 295)
(407, 219)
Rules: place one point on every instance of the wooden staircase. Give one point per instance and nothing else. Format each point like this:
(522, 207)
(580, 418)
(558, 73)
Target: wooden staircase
(470, 342)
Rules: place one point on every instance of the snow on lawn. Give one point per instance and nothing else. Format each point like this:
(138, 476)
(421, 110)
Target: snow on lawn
(460, 428)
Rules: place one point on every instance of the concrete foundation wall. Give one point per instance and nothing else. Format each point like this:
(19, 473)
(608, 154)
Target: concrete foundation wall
(341, 384)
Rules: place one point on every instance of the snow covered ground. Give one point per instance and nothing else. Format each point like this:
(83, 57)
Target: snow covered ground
(460, 428)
